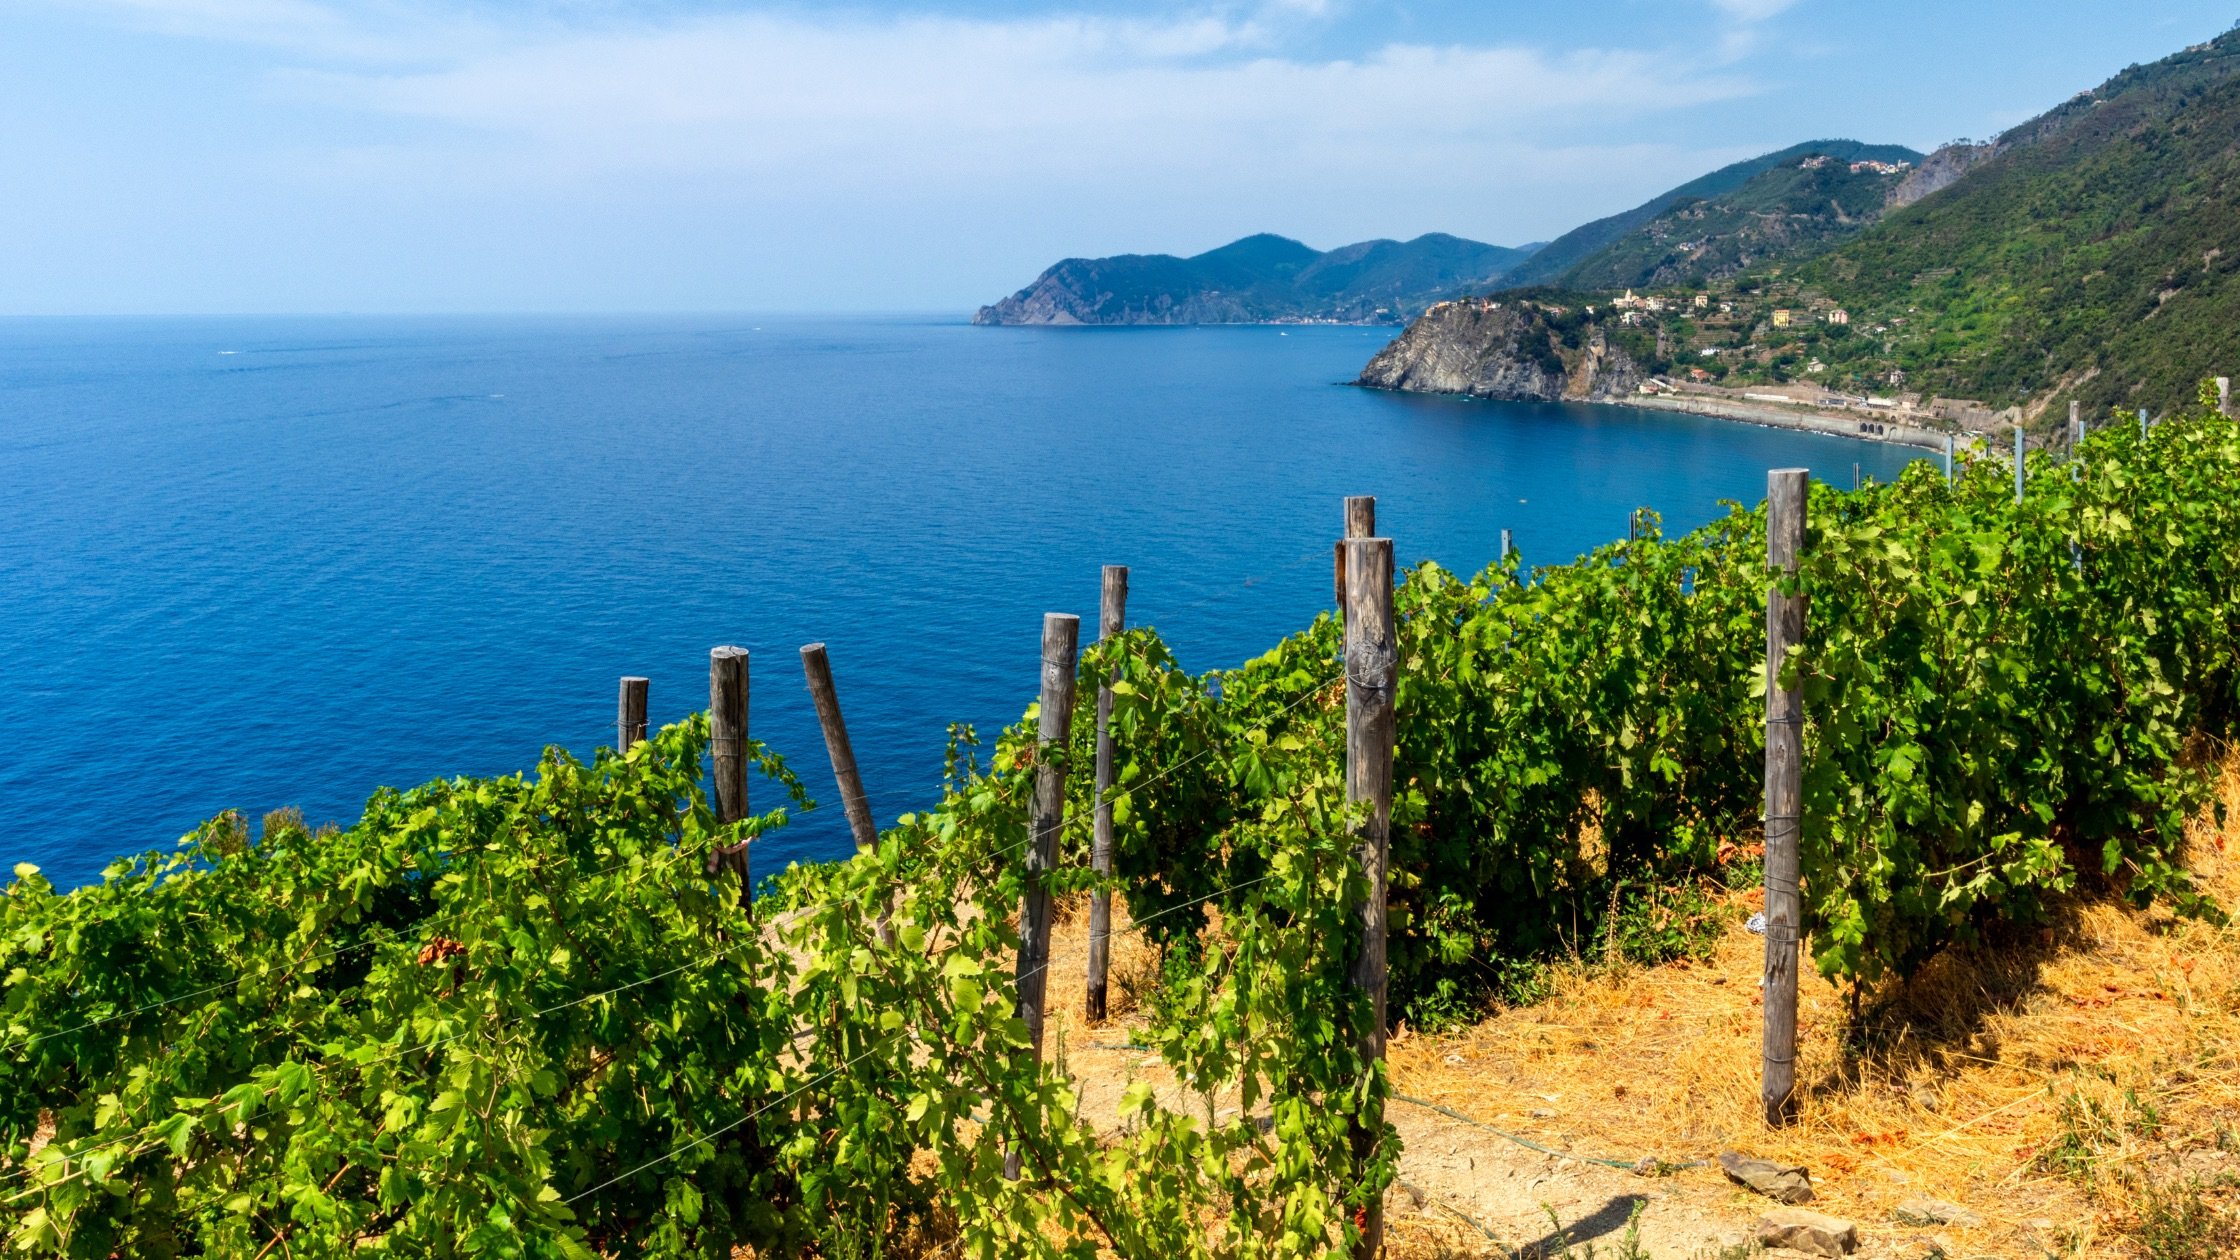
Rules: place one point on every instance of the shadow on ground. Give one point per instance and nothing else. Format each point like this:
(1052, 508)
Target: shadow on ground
(1935, 1022)
(1602, 1222)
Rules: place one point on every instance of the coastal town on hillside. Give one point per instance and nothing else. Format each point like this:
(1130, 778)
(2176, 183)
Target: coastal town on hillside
(1767, 343)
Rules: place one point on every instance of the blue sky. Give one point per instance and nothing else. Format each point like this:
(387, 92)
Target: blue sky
(222, 156)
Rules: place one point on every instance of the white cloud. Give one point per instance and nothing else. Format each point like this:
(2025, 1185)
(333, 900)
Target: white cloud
(845, 102)
(1752, 10)
(489, 155)
(935, 100)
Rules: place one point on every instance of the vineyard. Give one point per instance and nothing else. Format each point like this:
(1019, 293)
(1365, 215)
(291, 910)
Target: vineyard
(519, 1017)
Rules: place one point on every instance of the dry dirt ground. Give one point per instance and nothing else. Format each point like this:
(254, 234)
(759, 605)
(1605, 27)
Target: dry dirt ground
(2072, 1085)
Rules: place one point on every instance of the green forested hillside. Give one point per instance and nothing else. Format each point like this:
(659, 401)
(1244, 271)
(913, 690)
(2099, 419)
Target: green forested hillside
(1790, 211)
(1552, 263)
(2093, 256)
(2087, 255)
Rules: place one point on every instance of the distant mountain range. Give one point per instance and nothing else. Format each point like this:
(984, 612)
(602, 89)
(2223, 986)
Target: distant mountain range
(1260, 279)
(1709, 227)
(2090, 254)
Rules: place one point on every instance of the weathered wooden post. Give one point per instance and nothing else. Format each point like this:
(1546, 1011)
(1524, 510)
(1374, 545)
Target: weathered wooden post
(630, 715)
(1061, 642)
(1854, 477)
(727, 730)
(2076, 417)
(1786, 490)
(1948, 459)
(2018, 473)
(1372, 683)
(1508, 544)
(2224, 395)
(1361, 522)
(817, 667)
(1112, 618)
(727, 739)
(1361, 517)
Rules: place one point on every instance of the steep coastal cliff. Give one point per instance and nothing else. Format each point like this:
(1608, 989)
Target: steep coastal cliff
(1515, 350)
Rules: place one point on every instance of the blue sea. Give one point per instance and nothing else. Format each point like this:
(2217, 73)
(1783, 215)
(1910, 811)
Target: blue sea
(248, 563)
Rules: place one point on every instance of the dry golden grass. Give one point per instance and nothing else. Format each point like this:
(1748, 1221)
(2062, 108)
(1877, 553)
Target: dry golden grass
(2054, 1080)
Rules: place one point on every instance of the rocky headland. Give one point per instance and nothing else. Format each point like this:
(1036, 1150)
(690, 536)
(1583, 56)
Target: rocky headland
(1530, 351)
(1522, 351)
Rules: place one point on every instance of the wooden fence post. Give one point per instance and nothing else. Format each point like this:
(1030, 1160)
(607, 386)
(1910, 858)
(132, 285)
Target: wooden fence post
(2018, 473)
(1372, 682)
(818, 668)
(630, 715)
(1786, 492)
(1112, 618)
(1361, 516)
(1061, 643)
(1948, 459)
(1508, 544)
(2224, 395)
(1361, 522)
(727, 739)
(2076, 417)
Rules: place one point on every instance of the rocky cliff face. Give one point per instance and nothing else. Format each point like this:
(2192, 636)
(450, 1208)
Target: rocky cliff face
(1519, 351)
(1938, 171)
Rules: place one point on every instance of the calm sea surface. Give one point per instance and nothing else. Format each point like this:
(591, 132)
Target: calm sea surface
(254, 563)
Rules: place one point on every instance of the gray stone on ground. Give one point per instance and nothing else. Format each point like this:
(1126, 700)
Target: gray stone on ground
(1934, 1212)
(1813, 1233)
(1776, 1182)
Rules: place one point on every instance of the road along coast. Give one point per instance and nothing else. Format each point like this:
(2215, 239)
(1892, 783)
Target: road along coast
(1848, 424)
